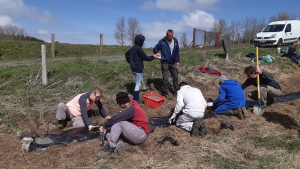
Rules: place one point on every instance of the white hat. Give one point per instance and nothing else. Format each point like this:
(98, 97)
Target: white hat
(222, 78)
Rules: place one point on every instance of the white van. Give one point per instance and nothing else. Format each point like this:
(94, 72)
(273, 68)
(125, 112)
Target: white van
(278, 33)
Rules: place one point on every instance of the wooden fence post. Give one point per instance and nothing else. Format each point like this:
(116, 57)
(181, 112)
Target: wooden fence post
(52, 45)
(101, 43)
(44, 68)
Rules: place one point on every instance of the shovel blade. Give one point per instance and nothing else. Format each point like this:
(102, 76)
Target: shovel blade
(259, 109)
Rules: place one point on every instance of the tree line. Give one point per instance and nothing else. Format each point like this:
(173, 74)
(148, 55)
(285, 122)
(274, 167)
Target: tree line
(239, 31)
(244, 31)
(14, 32)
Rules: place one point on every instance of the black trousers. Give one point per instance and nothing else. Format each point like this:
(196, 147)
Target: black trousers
(166, 68)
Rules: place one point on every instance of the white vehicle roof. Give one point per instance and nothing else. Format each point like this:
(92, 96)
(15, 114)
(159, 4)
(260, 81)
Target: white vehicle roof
(283, 22)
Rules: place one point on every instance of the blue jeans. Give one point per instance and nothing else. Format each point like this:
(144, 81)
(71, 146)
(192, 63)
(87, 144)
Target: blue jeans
(295, 59)
(138, 81)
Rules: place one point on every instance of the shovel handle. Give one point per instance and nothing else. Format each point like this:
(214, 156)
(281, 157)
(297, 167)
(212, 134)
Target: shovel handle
(257, 77)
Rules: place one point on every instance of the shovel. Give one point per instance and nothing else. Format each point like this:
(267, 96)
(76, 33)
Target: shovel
(258, 109)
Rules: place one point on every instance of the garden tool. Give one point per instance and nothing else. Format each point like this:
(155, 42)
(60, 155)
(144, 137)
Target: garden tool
(258, 109)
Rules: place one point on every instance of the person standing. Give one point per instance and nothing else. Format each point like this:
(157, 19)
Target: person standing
(192, 103)
(231, 98)
(168, 50)
(135, 57)
(269, 87)
(292, 53)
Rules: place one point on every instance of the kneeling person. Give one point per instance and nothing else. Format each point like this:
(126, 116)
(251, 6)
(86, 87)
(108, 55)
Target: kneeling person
(128, 125)
(231, 98)
(194, 105)
(77, 109)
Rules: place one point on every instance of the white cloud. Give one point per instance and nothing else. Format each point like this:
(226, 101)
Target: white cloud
(16, 8)
(180, 5)
(43, 32)
(5, 20)
(148, 5)
(197, 19)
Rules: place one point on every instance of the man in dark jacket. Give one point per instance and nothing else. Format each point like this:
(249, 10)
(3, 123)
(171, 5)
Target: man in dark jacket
(129, 125)
(292, 53)
(170, 60)
(231, 98)
(269, 87)
(135, 57)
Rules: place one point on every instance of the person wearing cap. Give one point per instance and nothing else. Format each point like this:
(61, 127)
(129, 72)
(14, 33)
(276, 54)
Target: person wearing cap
(129, 125)
(77, 109)
(192, 104)
(269, 87)
(231, 98)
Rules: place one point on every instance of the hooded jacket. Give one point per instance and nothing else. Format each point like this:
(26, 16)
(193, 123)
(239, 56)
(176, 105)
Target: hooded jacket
(166, 56)
(229, 91)
(135, 55)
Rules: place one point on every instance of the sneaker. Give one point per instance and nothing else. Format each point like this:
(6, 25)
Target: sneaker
(120, 149)
(106, 151)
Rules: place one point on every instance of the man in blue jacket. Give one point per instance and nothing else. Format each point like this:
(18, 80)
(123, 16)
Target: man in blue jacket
(170, 60)
(231, 98)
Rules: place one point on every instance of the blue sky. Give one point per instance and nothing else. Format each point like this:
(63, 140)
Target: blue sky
(82, 21)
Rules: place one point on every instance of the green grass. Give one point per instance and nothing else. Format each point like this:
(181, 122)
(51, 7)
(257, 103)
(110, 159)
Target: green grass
(25, 98)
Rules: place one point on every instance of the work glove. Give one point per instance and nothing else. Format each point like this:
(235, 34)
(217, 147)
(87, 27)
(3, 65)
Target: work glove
(172, 119)
(91, 127)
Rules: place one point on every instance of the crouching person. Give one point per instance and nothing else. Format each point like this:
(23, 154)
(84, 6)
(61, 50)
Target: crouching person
(77, 109)
(128, 125)
(231, 99)
(194, 105)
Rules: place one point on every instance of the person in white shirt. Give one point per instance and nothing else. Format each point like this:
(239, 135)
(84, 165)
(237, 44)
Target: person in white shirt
(192, 104)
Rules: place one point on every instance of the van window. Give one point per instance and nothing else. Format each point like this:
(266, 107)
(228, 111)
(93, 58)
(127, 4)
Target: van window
(288, 28)
(274, 28)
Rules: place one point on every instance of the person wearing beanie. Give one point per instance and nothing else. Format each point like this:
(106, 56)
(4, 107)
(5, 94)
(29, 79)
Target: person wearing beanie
(129, 125)
(135, 57)
(231, 98)
(192, 104)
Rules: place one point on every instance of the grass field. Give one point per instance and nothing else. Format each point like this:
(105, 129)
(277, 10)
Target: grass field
(268, 141)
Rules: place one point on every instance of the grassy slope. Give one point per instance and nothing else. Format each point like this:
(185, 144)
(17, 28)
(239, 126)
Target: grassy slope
(257, 142)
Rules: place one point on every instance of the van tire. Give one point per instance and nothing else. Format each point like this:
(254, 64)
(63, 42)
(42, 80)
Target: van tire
(298, 40)
(279, 43)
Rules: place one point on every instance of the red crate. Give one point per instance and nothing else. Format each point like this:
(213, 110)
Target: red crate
(153, 100)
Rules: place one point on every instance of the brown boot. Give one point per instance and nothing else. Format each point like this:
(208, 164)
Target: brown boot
(236, 113)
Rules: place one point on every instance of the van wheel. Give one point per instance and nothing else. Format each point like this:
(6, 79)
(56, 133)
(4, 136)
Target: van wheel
(279, 43)
(298, 40)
